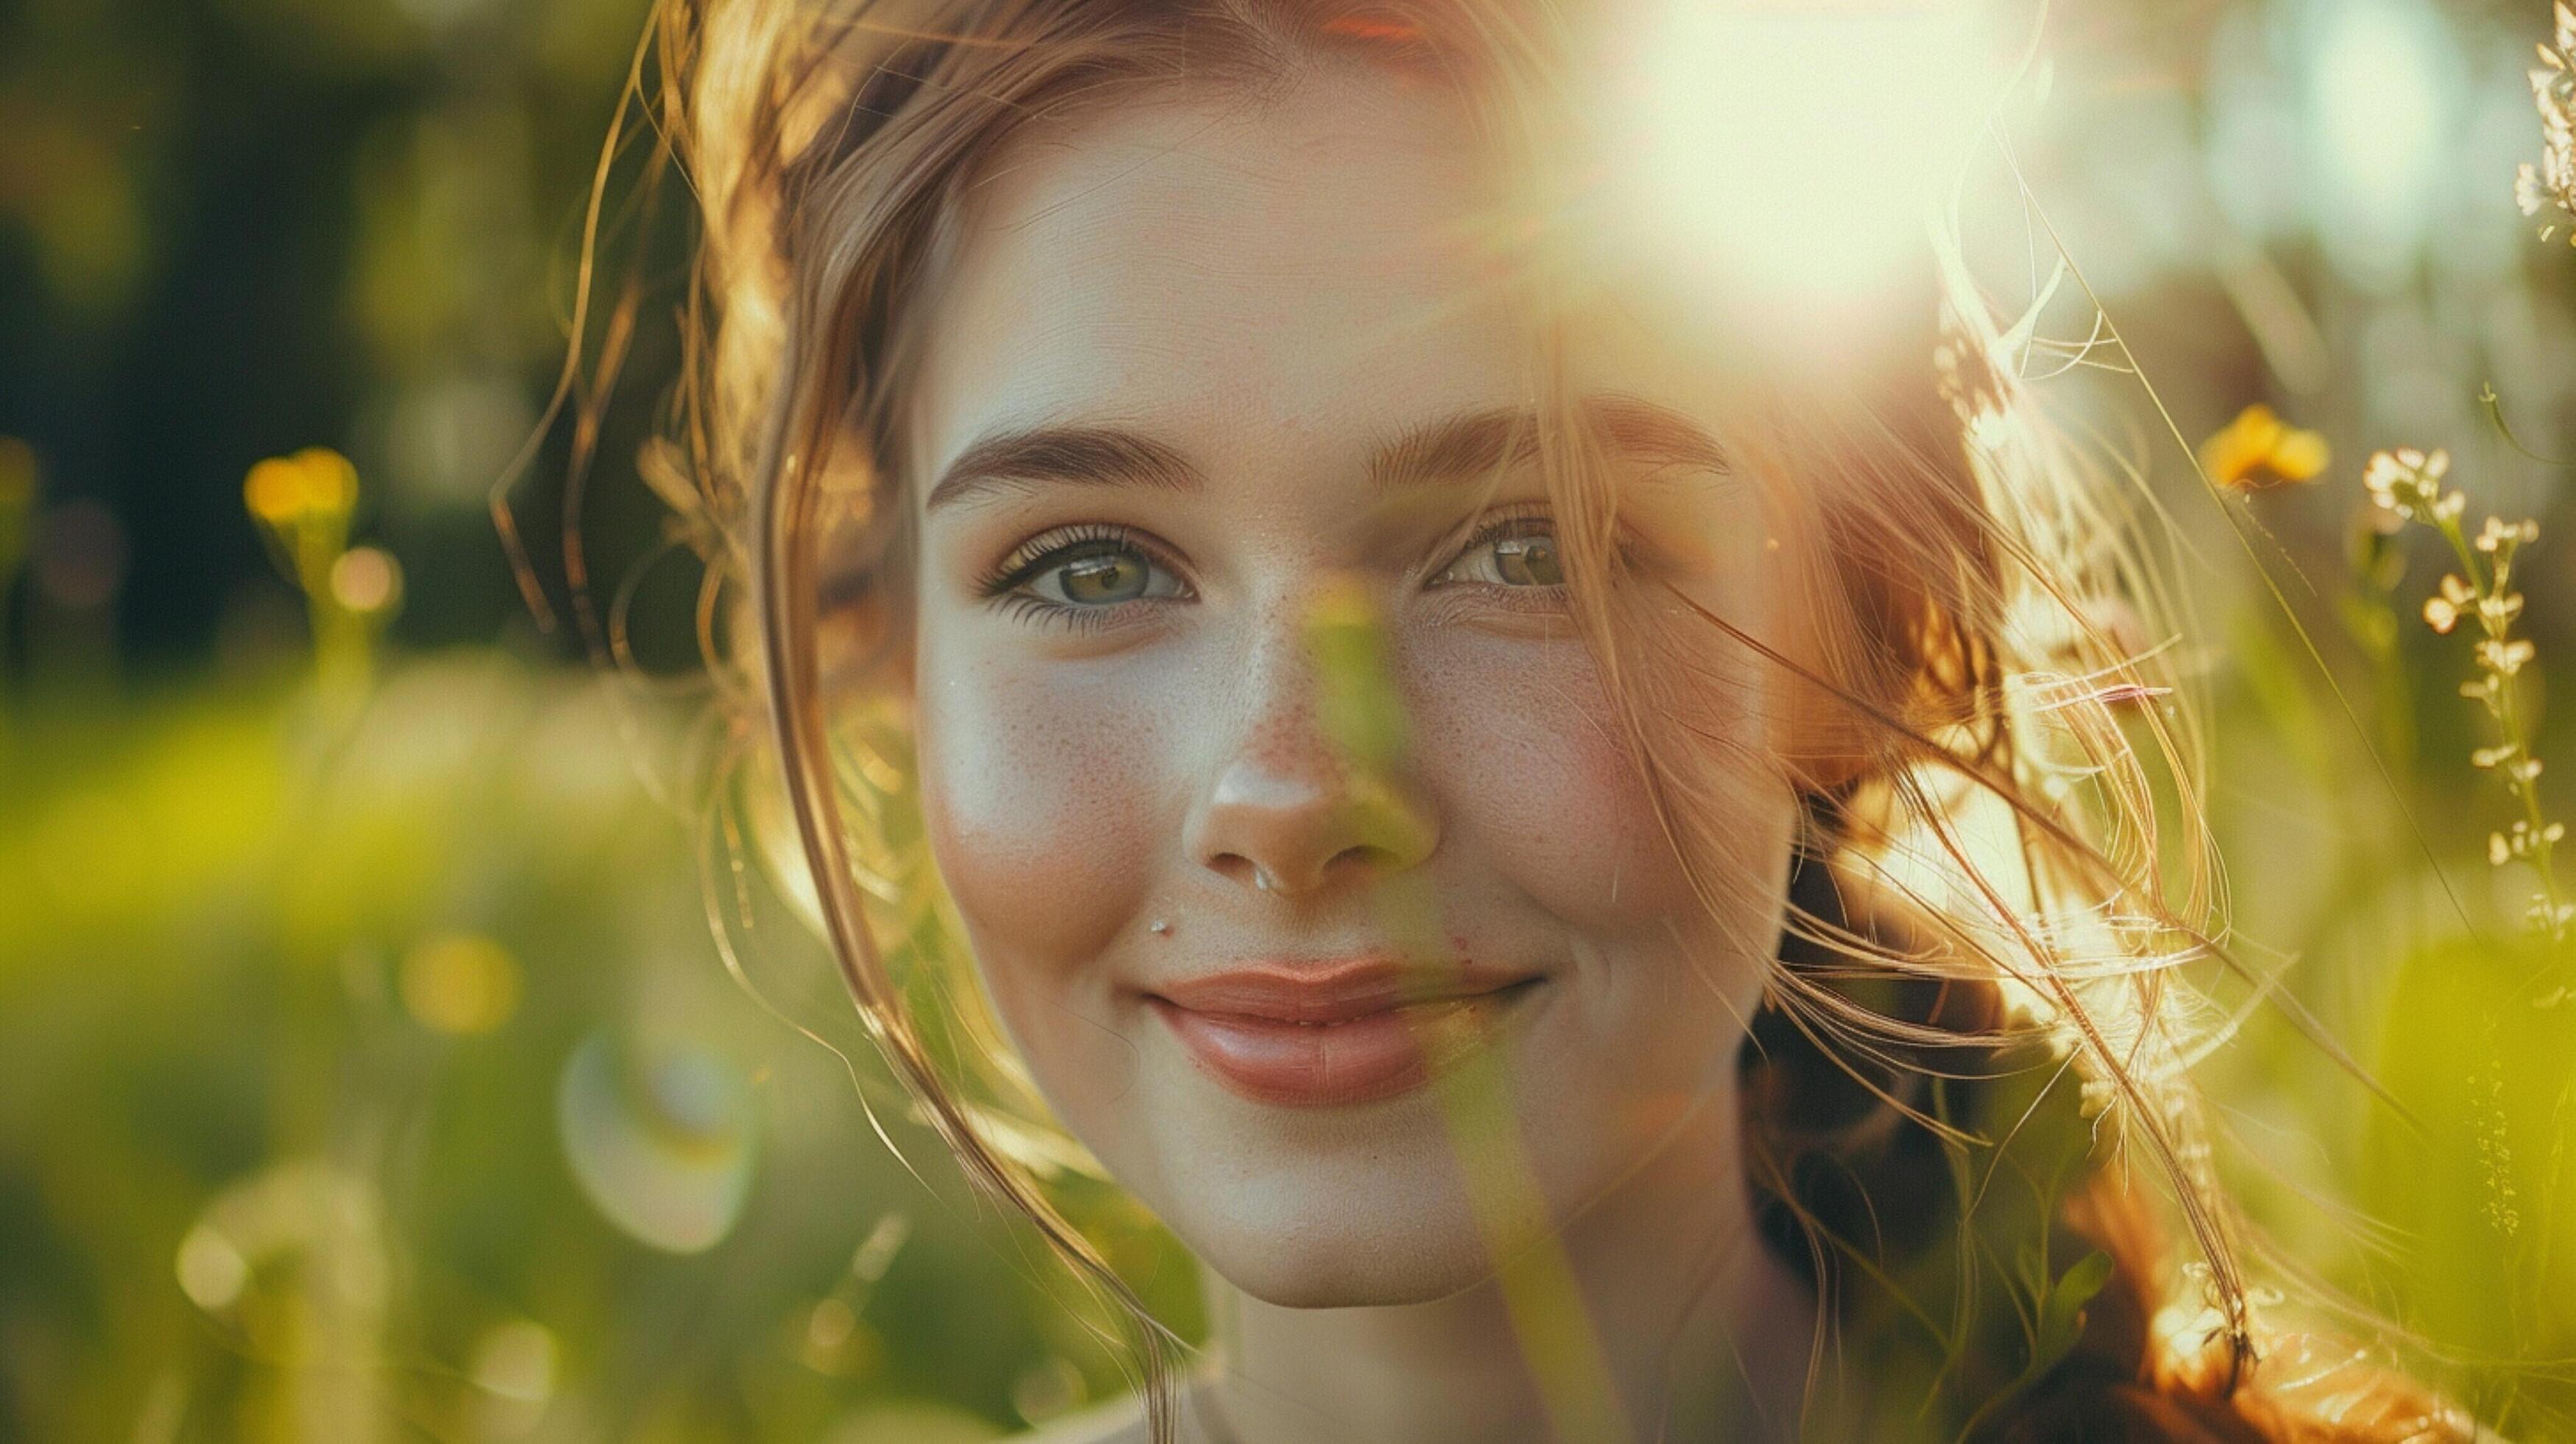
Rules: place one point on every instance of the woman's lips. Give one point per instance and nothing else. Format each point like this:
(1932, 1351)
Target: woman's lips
(1336, 1034)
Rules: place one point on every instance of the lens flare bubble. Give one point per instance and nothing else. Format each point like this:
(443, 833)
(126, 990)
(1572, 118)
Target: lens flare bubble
(1050, 1389)
(662, 1138)
(306, 1227)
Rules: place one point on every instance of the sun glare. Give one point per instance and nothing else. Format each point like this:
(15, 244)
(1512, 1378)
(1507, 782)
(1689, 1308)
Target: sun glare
(1787, 153)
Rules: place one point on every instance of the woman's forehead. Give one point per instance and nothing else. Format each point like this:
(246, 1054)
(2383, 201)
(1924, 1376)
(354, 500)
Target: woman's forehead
(1337, 258)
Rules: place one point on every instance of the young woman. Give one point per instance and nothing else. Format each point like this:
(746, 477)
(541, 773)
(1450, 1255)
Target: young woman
(1588, 842)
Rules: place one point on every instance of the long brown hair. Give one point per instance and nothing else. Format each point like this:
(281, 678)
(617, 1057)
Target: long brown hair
(1979, 735)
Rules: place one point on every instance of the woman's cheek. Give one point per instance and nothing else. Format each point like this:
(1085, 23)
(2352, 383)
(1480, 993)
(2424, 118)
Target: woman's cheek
(1520, 743)
(1035, 795)
(1539, 780)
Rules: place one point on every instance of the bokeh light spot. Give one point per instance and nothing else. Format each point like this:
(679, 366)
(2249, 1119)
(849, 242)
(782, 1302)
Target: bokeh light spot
(366, 581)
(460, 983)
(212, 1273)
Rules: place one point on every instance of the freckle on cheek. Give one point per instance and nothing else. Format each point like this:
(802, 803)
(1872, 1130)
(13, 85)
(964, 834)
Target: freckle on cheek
(1036, 828)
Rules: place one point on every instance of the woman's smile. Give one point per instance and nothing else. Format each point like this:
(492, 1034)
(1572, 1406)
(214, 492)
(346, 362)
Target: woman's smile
(1337, 1032)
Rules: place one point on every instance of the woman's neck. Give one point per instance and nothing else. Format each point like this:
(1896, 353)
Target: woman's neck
(1691, 1328)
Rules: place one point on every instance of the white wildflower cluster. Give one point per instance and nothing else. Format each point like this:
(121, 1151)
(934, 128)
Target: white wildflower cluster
(2406, 485)
(2551, 185)
(2409, 483)
(2522, 840)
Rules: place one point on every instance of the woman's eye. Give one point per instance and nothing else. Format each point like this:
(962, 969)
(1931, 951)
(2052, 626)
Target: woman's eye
(1515, 554)
(1098, 578)
(1090, 574)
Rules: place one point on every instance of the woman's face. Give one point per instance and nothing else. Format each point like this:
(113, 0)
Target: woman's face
(1197, 365)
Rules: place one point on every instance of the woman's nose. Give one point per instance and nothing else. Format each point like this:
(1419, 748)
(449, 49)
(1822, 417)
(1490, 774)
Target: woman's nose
(1292, 809)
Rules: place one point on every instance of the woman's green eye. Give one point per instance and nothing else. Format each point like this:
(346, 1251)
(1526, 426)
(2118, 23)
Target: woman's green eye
(1528, 561)
(1104, 577)
(1098, 573)
(1515, 554)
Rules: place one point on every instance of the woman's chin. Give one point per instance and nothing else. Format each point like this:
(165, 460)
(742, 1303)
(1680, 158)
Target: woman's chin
(1350, 1272)
(1311, 1207)
(1399, 1232)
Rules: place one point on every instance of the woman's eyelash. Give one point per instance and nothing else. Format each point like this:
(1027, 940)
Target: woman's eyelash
(1020, 606)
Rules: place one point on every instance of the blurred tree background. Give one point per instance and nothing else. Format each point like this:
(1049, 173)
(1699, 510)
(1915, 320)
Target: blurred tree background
(368, 1067)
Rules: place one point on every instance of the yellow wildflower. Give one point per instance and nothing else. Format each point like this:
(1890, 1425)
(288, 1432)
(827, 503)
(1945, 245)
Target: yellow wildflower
(2258, 450)
(314, 482)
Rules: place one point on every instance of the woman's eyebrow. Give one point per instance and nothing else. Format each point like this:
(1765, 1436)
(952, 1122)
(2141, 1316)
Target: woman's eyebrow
(1479, 443)
(1017, 460)
(1461, 447)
